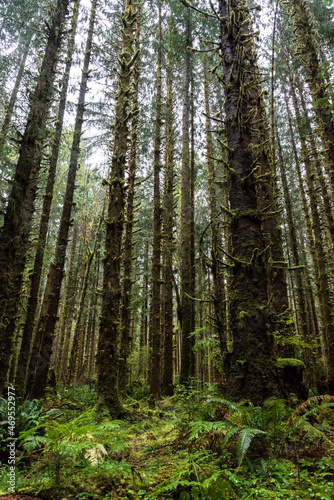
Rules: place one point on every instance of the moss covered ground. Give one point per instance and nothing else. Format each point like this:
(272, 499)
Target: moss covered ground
(194, 445)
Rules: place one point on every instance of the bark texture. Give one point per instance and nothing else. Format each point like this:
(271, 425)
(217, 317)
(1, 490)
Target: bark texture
(15, 231)
(107, 355)
(42, 348)
(252, 369)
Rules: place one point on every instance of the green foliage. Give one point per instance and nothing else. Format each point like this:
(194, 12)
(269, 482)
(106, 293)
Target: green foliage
(27, 415)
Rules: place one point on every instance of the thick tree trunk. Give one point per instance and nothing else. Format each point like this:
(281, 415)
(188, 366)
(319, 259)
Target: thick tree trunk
(252, 369)
(42, 349)
(107, 356)
(154, 327)
(28, 328)
(18, 218)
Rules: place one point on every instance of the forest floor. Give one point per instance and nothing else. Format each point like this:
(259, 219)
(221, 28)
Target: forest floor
(194, 445)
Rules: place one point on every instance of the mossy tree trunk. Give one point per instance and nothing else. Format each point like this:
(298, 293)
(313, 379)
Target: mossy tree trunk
(26, 40)
(154, 327)
(321, 255)
(23, 361)
(42, 348)
(218, 294)
(74, 359)
(18, 217)
(186, 224)
(252, 368)
(107, 355)
(168, 239)
(306, 40)
(123, 374)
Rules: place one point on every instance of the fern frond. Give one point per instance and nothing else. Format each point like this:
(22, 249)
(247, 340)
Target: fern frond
(245, 438)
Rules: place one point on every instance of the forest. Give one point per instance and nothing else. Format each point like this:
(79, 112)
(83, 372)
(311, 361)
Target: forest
(166, 249)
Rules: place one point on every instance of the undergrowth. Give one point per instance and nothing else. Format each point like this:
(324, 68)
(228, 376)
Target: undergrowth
(194, 445)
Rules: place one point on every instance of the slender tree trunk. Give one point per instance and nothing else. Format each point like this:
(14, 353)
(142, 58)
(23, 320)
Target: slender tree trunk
(306, 39)
(299, 272)
(321, 258)
(168, 240)
(128, 240)
(15, 231)
(13, 97)
(73, 358)
(107, 356)
(186, 226)
(42, 349)
(154, 327)
(28, 328)
(69, 299)
(216, 236)
(144, 310)
(252, 369)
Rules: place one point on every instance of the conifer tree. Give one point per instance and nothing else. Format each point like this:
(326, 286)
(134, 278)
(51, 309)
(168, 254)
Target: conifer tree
(28, 328)
(18, 217)
(155, 305)
(42, 347)
(107, 355)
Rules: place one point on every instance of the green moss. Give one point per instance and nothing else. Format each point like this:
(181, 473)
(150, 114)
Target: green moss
(290, 362)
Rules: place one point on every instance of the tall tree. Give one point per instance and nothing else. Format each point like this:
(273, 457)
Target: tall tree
(42, 348)
(252, 369)
(28, 328)
(168, 240)
(18, 217)
(154, 327)
(186, 225)
(128, 239)
(306, 39)
(107, 356)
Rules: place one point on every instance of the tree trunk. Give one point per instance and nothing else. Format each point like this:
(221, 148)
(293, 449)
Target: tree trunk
(128, 240)
(154, 327)
(28, 328)
(168, 240)
(306, 39)
(73, 361)
(107, 356)
(13, 97)
(18, 218)
(42, 349)
(186, 226)
(252, 369)
(216, 236)
(321, 257)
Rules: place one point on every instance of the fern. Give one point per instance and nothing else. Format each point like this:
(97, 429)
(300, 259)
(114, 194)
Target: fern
(245, 438)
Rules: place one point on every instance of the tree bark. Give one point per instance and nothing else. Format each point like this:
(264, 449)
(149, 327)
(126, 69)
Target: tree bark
(40, 358)
(18, 217)
(186, 226)
(306, 39)
(168, 240)
(154, 327)
(251, 366)
(107, 356)
(128, 240)
(21, 373)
